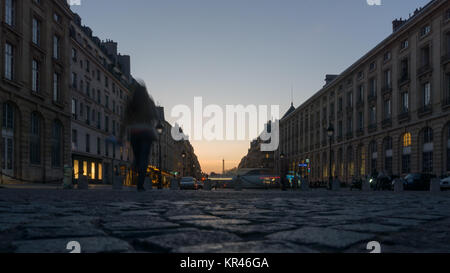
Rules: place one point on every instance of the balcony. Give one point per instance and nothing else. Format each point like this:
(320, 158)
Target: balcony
(373, 127)
(445, 59)
(424, 69)
(349, 135)
(360, 104)
(372, 98)
(405, 116)
(404, 79)
(386, 122)
(360, 132)
(386, 89)
(425, 110)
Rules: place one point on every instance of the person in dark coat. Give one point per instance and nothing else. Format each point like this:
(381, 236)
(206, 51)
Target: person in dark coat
(140, 119)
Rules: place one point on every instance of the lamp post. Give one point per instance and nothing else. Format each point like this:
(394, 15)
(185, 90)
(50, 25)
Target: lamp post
(160, 130)
(282, 173)
(183, 155)
(330, 132)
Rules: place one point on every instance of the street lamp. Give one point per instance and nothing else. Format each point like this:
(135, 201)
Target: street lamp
(183, 155)
(160, 130)
(330, 132)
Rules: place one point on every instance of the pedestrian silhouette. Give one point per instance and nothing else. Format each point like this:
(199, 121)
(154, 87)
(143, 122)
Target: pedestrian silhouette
(139, 122)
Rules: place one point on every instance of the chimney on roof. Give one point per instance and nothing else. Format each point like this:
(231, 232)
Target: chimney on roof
(329, 78)
(397, 23)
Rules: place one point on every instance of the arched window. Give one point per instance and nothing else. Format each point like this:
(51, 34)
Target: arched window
(56, 144)
(406, 153)
(387, 145)
(350, 162)
(373, 156)
(35, 139)
(362, 161)
(427, 153)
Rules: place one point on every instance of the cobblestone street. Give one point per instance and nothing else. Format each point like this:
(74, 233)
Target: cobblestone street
(102, 220)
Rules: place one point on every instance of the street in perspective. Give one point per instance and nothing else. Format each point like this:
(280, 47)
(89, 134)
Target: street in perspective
(225, 127)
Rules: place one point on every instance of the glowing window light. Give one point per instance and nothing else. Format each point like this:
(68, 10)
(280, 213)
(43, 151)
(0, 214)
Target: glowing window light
(407, 141)
(85, 168)
(76, 169)
(92, 170)
(100, 171)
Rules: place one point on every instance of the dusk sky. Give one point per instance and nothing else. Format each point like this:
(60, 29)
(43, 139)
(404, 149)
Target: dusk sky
(240, 51)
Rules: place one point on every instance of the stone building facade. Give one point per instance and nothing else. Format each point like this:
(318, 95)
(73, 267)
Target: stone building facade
(99, 84)
(390, 110)
(34, 89)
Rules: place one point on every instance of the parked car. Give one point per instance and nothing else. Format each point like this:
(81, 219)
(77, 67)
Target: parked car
(189, 183)
(418, 181)
(257, 179)
(445, 184)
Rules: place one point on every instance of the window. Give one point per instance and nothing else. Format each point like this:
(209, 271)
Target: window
(349, 125)
(10, 12)
(9, 61)
(88, 114)
(405, 102)
(74, 108)
(373, 115)
(106, 148)
(340, 128)
(99, 152)
(388, 79)
(406, 153)
(387, 109)
(425, 30)
(74, 80)
(56, 45)
(350, 162)
(8, 116)
(56, 87)
(99, 116)
(404, 44)
(106, 123)
(373, 87)
(361, 93)
(35, 76)
(372, 66)
(88, 143)
(74, 55)
(36, 31)
(426, 94)
(387, 56)
(404, 68)
(427, 156)
(350, 99)
(340, 104)
(99, 99)
(425, 54)
(56, 144)
(447, 89)
(35, 139)
(360, 121)
(388, 154)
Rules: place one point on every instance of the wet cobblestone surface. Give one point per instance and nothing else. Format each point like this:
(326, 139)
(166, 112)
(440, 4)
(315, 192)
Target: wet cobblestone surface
(44, 221)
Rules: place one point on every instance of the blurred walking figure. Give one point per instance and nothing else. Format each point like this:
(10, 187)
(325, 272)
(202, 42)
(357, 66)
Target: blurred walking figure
(140, 119)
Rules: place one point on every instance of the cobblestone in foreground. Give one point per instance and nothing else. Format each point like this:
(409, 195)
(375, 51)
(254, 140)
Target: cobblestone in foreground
(44, 221)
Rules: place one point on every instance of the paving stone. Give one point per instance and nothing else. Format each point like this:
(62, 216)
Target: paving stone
(370, 227)
(88, 245)
(61, 232)
(401, 222)
(222, 223)
(188, 238)
(138, 225)
(322, 236)
(247, 247)
(193, 217)
(258, 229)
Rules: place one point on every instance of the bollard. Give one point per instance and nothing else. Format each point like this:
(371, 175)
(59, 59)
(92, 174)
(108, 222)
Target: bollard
(336, 185)
(435, 185)
(67, 182)
(398, 185)
(365, 186)
(148, 183)
(304, 184)
(174, 184)
(83, 183)
(118, 183)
